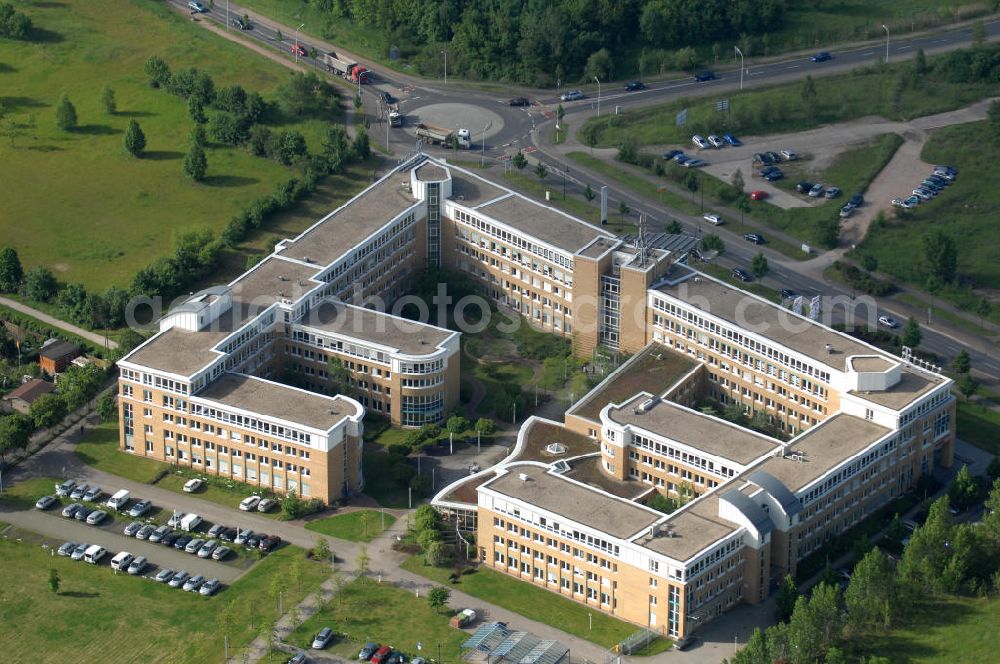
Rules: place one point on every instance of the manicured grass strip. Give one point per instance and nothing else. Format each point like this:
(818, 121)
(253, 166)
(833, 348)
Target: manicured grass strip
(359, 526)
(366, 610)
(979, 425)
(532, 602)
(102, 617)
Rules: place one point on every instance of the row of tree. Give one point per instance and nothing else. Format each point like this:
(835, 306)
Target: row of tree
(941, 558)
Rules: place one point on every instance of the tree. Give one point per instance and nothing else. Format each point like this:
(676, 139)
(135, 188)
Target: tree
(108, 100)
(11, 271)
(674, 227)
(135, 139)
(809, 91)
(816, 624)
(198, 136)
(339, 377)
(40, 284)
(47, 411)
(911, 333)
(962, 362)
(66, 114)
(978, 33)
(363, 561)
(322, 549)
(457, 424)
(278, 36)
(713, 242)
(759, 266)
(157, 71)
(361, 145)
(13, 24)
(438, 598)
(872, 594)
(755, 651)
(588, 193)
(788, 594)
(927, 555)
(519, 161)
(277, 587)
(560, 113)
(54, 581)
(983, 309)
(15, 433)
(541, 171)
(196, 109)
(964, 489)
(623, 209)
(967, 385)
(425, 518)
(485, 426)
(993, 470)
(940, 256)
(737, 181)
(920, 63)
(195, 163)
(106, 407)
(662, 503)
(437, 554)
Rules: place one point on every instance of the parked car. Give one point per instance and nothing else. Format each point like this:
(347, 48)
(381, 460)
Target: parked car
(822, 56)
(140, 508)
(700, 142)
(45, 502)
(145, 531)
(923, 194)
(297, 658)
(322, 639)
(765, 158)
(787, 294)
(857, 200)
(63, 489)
(241, 537)
(268, 544)
(396, 658)
(572, 95)
(682, 159)
(900, 203)
(175, 519)
(632, 86)
(519, 101)
(758, 195)
(197, 7)
(192, 584)
(171, 538)
(913, 201)
(138, 564)
(670, 154)
(695, 163)
(193, 485)
(742, 275)
(773, 156)
(381, 655)
(242, 23)
(94, 554)
(67, 548)
(846, 211)
(832, 192)
(713, 219)
(216, 530)
(804, 187)
(93, 493)
(368, 650)
(70, 510)
(96, 517)
(299, 50)
(888, 321)
(774, 175)
(221, 552)
(704, 76)
(83, 512)
(715, 141)
(206, 549)
(182, 542)
(254, 540)
(228, 534)
(121, 561)
(158, 534)
(210, 587)
(754, 237)
(178, 579)
(78, 491)
(132, 528)
(816, 191)
(267, 505)
(79, 551)
(767, 170)
(249, 503)
(788, 155)
(732, 140)
(164, 575)
(193, 546)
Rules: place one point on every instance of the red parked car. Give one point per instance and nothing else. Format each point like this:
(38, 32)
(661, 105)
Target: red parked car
(299, 50)
(758, 195)
(381, 655)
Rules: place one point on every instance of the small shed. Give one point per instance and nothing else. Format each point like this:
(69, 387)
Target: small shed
(56, 355)
(20, 400)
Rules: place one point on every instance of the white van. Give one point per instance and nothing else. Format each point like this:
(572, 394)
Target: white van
(94, 554)
(121, 561)
(119, 500)
(190, 522)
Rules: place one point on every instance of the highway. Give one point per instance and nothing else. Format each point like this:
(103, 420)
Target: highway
(522, 127)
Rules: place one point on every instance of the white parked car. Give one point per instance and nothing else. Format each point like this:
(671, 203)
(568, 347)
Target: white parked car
(700, 142)
(788, 155)
(888, 321)
(713, 219)
(193, 485)
(267, 505)
(249, 503)
(715, 141)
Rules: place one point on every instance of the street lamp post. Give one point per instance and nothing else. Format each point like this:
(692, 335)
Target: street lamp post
(482, 159)
(740, 53)
(445, 54)
(598, 96)
(297, 41)
(227, 15)
(884, 27)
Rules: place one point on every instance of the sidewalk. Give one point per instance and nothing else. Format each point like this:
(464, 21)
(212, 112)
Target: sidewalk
(55, 322)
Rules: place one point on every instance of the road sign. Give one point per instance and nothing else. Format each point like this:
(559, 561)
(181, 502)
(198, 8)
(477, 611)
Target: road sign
(682, 117)
(721, 105)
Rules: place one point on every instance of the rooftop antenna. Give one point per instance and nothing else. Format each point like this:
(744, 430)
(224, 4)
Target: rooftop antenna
(641, 243)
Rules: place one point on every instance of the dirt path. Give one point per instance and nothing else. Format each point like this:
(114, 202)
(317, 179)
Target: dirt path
(55, 322)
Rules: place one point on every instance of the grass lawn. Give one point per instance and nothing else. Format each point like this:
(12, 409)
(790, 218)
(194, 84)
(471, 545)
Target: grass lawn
(370, 611)
(979, 425)
(963, 211)
(531, 601)
(952, 629)
(102, 617)
(360, 526)
(74, 187)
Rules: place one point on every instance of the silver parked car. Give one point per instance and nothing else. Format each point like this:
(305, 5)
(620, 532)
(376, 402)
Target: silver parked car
(209, 587)
(96, 517)
(194, 545)
(70, 510)
(194, 583)
(67, 548)
(132, 528)
(221, 553)
(140, 508)
(206, 549)
(179, 579)
(92, 494)
(45, 502)
(164, 575)
(159, 534)
(145, 531)
(267, 505)
(79, 551)
(137, 565)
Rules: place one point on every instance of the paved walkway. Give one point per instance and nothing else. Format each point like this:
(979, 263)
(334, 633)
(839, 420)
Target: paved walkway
(61, 324)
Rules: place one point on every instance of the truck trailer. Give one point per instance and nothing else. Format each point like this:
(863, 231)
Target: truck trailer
(345, 68)
(444, 137)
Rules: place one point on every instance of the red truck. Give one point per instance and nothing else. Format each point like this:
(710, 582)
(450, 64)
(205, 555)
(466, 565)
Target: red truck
(348, 69)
